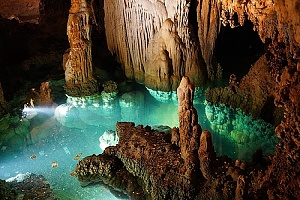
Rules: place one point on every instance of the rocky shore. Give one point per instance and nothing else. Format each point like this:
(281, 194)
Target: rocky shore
(178, 164)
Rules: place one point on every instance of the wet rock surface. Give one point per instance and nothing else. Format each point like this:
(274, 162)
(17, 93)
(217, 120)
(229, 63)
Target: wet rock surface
(164, 166)
(254, 94)
(32, 186)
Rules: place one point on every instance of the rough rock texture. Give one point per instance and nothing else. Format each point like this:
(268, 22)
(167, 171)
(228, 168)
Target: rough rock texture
(189, 129)
(274, 20)
(31, 187)
(206, 154)
(254, 94)
(209, 24)
(3, 103)
(148, 156)
(6, 190)
(163, 170)
(108, 170)
(42, 97)
(154, 42)
(78, 62)
(277, 23)
(21, 10)
(280, 17)
(283, 174)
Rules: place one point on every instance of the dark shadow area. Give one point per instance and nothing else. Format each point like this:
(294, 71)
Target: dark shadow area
(238, 49)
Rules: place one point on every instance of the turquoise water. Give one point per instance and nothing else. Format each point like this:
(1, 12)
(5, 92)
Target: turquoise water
(58, 135)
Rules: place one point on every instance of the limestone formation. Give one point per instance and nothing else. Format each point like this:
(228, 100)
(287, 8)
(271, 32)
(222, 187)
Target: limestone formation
(209, 24)
(249, 95)
(154, 42)
(148, 164)
(277, 23)
(241, 188)
(189, 128)
(206, 154)
(21, 10)
(143, 164)
(78, 66)
(42, 97)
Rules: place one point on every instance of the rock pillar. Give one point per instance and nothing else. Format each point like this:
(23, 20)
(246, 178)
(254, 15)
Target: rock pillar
(78, 65)
(206, 154)
(189, 129)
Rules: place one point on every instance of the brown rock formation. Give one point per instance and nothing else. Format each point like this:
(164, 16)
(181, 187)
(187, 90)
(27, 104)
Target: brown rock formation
(277, 23)
(283, 174)
(165, 171)
(21, 10)
(145, 154)
(206, 155)
(254, 94)
(209, 24)
(189, 128)
(42, 97)
(32, 187)
(154, 42)
(78, 64)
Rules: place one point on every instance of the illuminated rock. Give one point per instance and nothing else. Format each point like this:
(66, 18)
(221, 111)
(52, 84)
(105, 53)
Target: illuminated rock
(109, 138)
(78, 63)
(249, 95)
(21, 10)
(245, 132)
(189, 128)
(209, 24)
(206, 155)
(162, 96)
(18, 178)
(159, 46)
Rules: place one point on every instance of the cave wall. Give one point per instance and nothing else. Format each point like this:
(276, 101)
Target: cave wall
(22, 10)
(154, 39)
(277, 23)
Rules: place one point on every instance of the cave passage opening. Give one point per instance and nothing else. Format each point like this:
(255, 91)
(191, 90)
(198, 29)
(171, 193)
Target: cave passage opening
(237, 49)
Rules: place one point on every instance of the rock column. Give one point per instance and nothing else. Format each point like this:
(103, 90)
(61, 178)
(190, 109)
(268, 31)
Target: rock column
(78, 65)
(189, 129)
(206, 154)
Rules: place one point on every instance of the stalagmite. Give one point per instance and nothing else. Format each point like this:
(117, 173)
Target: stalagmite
(189, 129)
(78, 67)
(206, 154)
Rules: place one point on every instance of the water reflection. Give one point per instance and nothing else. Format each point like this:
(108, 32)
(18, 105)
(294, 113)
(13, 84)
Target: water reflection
(58, 135)
(237, 134)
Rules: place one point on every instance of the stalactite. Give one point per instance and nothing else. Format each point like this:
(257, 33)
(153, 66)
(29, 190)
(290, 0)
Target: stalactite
(143, 21)
(208, 14)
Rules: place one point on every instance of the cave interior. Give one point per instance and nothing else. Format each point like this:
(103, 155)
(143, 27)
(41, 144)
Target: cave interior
(71, 72)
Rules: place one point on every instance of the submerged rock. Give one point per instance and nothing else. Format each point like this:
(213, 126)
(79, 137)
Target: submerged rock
(26, 186)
